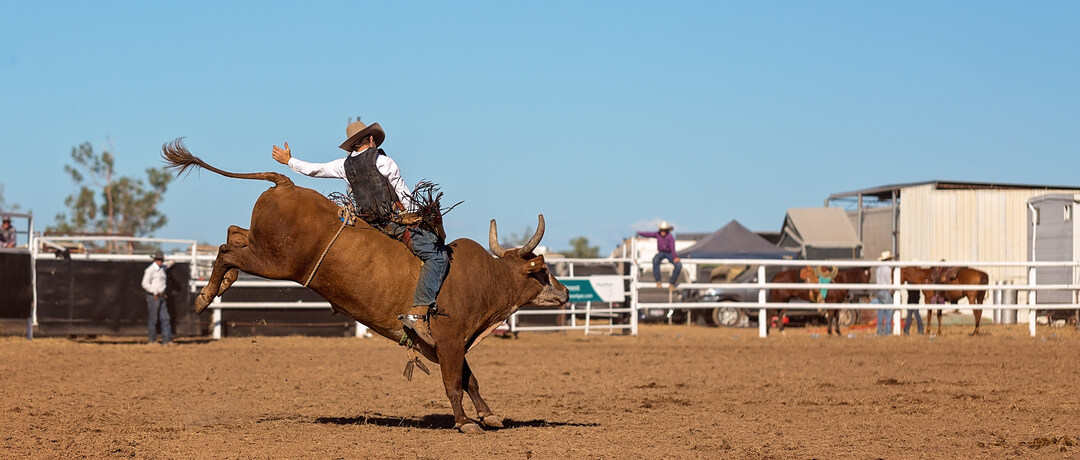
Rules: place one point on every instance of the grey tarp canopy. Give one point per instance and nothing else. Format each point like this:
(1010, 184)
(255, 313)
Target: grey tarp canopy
(733, 241)
(820, 233)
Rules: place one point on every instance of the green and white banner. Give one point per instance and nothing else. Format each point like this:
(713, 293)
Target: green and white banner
(601, 288)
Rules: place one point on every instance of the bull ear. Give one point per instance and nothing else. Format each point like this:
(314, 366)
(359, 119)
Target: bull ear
(533, 265)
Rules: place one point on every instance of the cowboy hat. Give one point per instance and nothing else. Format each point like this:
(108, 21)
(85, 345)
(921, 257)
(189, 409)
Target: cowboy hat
(358, 130)
(664, 225)
(885, 255)
(158, 255)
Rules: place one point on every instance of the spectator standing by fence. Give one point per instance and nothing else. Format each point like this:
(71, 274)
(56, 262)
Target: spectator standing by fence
(7, 233)
(665, 249)
(913, 296)
(883, 275)
(154, 282)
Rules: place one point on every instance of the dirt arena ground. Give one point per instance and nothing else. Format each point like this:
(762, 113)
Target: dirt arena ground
(672, 392)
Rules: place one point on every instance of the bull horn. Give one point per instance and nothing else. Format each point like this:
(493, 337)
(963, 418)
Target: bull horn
(493, 241)
(535, 241)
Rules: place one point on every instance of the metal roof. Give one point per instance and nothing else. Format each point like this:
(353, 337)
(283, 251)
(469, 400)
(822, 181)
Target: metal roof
(885, 192)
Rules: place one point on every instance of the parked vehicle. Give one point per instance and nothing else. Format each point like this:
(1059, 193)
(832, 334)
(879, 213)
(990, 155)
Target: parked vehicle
(742, 316)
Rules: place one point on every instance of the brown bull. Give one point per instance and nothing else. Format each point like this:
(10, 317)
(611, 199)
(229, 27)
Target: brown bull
(832, 315)
(959, 275)
(370, 277)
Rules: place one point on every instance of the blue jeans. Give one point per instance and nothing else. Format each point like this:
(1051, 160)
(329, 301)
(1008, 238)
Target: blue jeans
(884, 315)
(158, 313)
(659, 257)
(918, 318)
(432, 252)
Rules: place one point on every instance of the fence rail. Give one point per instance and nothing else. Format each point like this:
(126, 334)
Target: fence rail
(623, 314)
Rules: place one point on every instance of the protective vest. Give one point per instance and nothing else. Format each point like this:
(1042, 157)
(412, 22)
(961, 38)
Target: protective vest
(371, 191)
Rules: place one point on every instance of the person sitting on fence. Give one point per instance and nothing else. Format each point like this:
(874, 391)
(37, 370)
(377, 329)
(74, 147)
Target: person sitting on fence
(7, 233)
(665, 249)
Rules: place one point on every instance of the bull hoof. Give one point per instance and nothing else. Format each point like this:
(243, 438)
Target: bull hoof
(201, 304)
(470, 428)
(492, 421)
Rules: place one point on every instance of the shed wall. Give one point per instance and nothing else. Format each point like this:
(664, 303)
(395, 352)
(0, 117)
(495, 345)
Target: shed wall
(967, 225)
(877, 230)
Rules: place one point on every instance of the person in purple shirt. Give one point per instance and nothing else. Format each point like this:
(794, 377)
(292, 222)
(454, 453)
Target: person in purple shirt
(665, 249)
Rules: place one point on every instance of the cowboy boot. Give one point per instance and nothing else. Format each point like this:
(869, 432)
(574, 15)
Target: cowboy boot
(419, 321)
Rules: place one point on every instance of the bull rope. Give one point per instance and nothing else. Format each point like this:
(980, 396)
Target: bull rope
(347, 218)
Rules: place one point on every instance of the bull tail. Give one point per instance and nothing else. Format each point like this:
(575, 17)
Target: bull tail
(180, 159)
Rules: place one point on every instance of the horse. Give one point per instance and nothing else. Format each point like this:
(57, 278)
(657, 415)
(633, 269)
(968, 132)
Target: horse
(917, 275)
(832, 315)
(963, 275)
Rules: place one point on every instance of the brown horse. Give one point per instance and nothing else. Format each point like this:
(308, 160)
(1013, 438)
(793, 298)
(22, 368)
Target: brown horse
(963, 275)
(832, 315)
(917, 275)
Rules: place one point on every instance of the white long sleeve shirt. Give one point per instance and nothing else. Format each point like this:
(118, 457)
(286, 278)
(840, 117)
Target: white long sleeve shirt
(153, 278)
(883, 274)
(336, 169)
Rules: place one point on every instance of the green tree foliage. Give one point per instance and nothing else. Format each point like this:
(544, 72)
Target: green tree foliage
(515, 240)
(106, 203)
(4, 205)
(581, 249)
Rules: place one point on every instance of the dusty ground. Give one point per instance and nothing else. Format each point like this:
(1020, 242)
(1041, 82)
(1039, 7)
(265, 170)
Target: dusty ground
(672, 392)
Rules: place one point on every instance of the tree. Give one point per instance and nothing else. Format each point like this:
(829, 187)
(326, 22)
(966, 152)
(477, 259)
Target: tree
(4, 206)
(127, 205)
(515, 240)
(581, 249)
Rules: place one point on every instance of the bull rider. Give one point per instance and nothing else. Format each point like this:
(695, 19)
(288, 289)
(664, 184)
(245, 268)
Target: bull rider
(383, 200)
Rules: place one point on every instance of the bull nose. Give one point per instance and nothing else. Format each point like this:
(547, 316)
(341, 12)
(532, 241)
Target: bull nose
(564, 293)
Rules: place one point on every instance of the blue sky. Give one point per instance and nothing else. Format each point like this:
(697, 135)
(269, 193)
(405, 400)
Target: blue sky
(604, 116)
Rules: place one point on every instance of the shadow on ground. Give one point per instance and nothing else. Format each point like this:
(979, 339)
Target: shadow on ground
(438, 422)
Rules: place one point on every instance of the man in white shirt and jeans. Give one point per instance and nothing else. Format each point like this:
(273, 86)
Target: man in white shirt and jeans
(154, 281)
(380, 195)
(883, 275)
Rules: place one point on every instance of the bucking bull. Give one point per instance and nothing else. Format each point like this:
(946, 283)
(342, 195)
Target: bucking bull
(370, 277)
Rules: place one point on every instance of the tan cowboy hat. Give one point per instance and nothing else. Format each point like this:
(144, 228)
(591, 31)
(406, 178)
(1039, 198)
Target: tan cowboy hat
(885, 255)
(665, 226)
(358, 130)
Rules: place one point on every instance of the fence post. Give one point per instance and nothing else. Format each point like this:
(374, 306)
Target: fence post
(1032, 301)
(763, 313)
(896, 301)
(633, 269)
(215, 321)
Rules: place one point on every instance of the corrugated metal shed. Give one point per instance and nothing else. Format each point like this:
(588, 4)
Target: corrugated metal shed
(966, 225)
(876, 230)
(958, 221)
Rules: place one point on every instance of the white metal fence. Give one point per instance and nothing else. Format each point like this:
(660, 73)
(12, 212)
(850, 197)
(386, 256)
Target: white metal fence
(1028, 307)
(623, 315)
(188, 251)
(595, 316)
